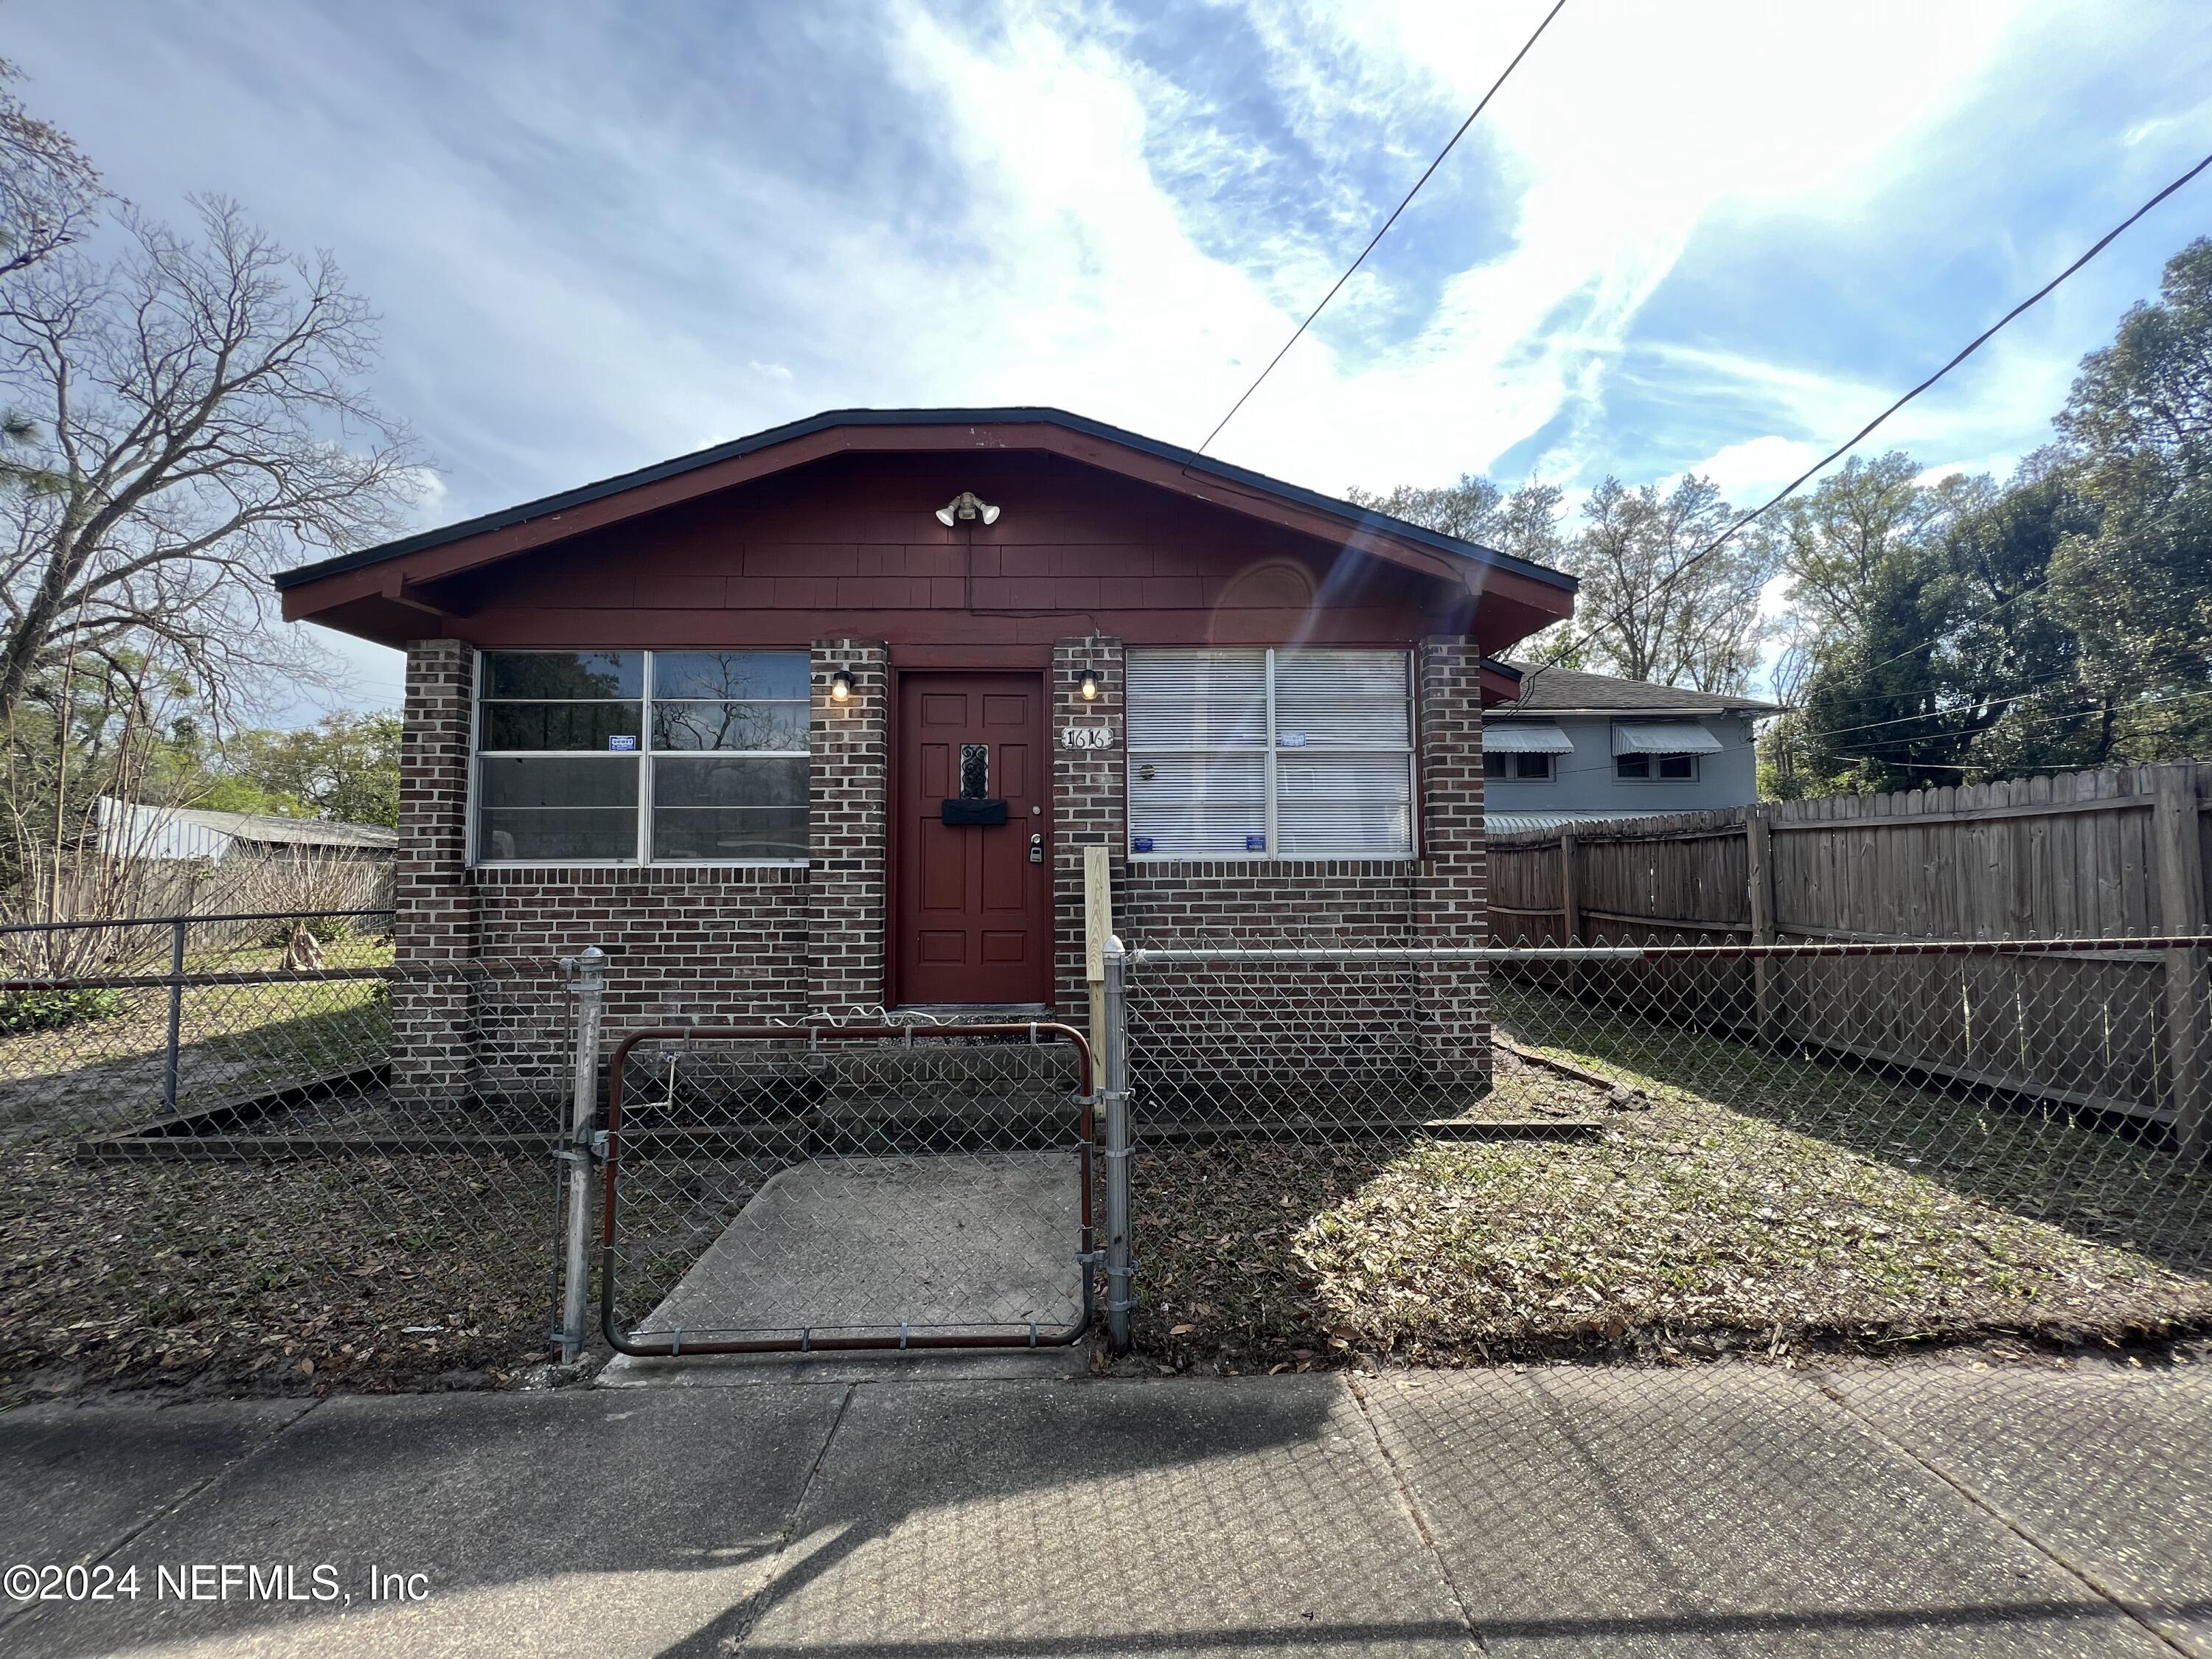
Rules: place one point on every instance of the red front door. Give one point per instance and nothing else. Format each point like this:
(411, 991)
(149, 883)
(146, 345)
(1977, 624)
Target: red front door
(974, 910)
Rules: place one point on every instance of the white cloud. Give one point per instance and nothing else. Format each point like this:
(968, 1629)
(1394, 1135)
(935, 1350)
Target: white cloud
(1748, 473)
(598, 257)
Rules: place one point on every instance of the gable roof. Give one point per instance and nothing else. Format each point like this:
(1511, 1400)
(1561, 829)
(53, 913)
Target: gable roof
(1571, 691)
(1190, 461)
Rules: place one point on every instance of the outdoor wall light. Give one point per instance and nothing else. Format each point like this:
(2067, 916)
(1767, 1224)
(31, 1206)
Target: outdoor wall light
(841, 686)
(967, 508)
(1089, 689)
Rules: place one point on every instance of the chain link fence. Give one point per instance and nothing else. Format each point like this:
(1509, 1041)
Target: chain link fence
(1451, 1156)
(1300, 1152)
(229, 1174)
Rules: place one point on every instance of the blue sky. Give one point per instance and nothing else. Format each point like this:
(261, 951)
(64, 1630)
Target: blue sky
(1689, 236)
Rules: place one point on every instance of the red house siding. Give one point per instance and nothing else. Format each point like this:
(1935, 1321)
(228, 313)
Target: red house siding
(843, 556)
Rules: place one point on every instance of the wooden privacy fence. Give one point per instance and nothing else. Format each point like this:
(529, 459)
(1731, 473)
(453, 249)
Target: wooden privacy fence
(2117, 855)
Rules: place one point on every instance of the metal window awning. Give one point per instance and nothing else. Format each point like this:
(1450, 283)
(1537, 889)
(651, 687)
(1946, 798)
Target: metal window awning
(1662, 738)
(1525, 738)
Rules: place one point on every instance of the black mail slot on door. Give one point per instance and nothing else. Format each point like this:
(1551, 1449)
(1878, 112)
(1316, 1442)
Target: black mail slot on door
(974, 812)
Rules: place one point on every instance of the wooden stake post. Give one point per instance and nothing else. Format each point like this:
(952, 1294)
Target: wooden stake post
(1097, 928)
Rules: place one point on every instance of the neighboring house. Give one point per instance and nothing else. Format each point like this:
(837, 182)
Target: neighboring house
(176, 833)
(1571, 746)
(822, 719)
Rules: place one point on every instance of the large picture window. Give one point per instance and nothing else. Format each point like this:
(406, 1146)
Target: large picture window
(635, 756)
(1291, 754)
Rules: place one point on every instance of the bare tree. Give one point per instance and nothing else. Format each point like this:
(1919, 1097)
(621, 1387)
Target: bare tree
(1525, 524)
(50, 193)
(202, 421)
(1654, 604)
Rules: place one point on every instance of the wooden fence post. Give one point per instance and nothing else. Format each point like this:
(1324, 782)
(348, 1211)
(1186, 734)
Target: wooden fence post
(1758, 859)
(1570, 909)
(1097, 928)
(2181, 911)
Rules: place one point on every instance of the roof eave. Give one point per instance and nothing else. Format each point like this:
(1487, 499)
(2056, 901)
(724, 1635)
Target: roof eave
(1353, 517)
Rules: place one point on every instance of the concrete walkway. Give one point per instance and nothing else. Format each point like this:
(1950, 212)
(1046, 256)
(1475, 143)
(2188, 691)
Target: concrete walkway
(952, 1242)
(1725, 1509)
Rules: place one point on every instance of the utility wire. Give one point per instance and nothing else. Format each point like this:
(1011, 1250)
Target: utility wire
(1386, 223)
(2024, 725)
(1859, 437)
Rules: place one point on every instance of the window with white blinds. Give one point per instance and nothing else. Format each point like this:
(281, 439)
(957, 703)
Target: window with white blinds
(1292, 754)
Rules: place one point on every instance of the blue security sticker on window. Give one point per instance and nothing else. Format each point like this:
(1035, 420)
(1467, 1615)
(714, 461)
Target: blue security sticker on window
(1140, 844)
(1293, 739)
(1255, 843)
(622, 743)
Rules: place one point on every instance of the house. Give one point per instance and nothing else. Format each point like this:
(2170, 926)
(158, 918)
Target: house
(168, 834)
(1570, 745)
(821, 721)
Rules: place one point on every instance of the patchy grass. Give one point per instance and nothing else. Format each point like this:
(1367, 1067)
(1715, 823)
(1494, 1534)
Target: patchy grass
(373, 1272)
(1683, 1222)
(108, 1072)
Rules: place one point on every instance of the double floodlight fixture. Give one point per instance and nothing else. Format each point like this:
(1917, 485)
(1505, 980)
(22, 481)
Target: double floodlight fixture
(967, 508)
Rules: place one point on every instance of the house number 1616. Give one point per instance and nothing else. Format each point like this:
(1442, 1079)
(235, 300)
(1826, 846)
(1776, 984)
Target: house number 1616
(1086, 736)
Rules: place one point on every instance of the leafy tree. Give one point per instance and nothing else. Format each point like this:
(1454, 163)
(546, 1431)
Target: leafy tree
(345, 766)
(2137, 584)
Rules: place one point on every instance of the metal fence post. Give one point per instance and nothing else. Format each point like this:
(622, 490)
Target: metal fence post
(591, 988)
(176, 1013)
(1120, 1266)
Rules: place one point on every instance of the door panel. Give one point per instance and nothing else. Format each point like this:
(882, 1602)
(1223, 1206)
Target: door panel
(973, 917)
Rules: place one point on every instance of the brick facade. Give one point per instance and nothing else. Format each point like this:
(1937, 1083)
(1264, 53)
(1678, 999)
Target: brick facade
(848, 815)
(720, 944)
(433, 1035)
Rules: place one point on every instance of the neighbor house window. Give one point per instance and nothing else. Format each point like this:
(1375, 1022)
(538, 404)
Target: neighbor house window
(1527, 769)
(1294, 754)
(635, 756)
(1666, 768)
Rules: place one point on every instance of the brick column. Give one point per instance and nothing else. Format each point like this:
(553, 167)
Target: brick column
(1089, 808)
(1451, 883)
(436, 929)
(849, 812)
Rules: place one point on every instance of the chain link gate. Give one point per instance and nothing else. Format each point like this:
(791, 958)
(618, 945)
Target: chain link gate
(794, 1189)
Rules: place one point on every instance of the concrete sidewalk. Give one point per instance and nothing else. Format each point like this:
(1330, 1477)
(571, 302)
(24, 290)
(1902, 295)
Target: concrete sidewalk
(1728, 1509)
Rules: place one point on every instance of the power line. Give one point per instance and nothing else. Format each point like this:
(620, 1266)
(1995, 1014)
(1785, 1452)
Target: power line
(1386, 223)
(1968, 351)
(2024, 725)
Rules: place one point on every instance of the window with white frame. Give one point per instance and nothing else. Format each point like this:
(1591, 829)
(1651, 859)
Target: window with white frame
(641, 757)
(1288, 754)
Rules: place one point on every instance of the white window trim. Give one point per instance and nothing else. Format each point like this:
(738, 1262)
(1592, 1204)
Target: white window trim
(1273, 855)
(643, 756)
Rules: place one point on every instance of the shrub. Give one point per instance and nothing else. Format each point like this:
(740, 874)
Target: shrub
(325, 930)
(46, 1011)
